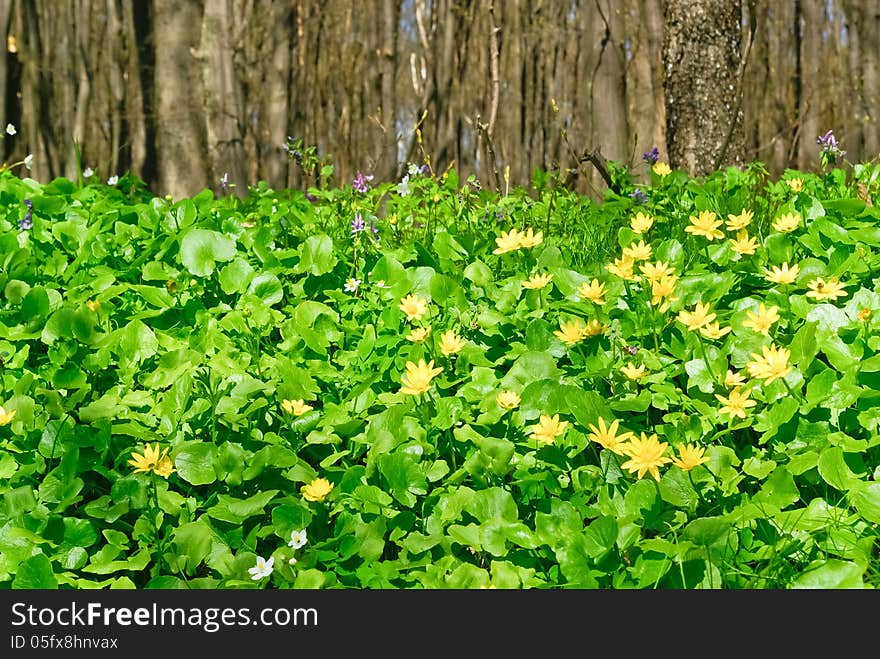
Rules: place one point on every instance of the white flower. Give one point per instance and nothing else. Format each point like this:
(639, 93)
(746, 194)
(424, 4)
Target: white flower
(10, 129)
(381, 284)
(29, 160)
(112, 180)
(352, 285)
(413, 170)
(297, 539)
(88, 172)
(292, 560)
(403, 186)
(263, 568)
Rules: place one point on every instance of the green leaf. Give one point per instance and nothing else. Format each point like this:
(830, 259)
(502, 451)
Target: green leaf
(235, 511)
(195, 463)
(865, 498)
(290, 517)
(587, 406)
(834, 470)
(708, 531)
(779, 489)
(235, 277)
(200, 249)
(403, 476)
(193, 542)
(137, 341)
(266, 287)
(676, 488)
(494, 503)
(35, 573)
(317, 255)
(600, 536)
(528, 367)
(831, 574)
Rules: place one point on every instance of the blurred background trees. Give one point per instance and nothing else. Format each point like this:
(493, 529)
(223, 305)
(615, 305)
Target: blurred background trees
(183, 92)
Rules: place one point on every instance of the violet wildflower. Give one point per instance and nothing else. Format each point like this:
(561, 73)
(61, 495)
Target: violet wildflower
(27, 221)
(830, 146)
(224, 181)
(312, 198)
(639, 196)
(357, 224)
(651, 156)
(360, 182)
(373, 228)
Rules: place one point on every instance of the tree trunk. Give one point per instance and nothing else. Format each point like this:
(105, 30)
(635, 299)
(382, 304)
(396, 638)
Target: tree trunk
(701, 54)
(180, 134)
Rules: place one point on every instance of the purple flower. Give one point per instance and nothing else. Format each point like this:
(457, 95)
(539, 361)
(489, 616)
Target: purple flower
(830, 145)
(373, 228)
(27, 221)
(651, 156)
(224, 181)
(639, 196)
(312, 198)
(357, 224)
(360, 182)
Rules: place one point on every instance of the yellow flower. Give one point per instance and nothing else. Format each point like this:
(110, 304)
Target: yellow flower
(663, 292)
(623, 268)
(783, 274)
(152, 460)
(93, 305)
(417, 379)
(164, 467)
(733, 380)
(450, 343)
(537, 281)
(787, 222)
(705, 224)
(825, 290)
(735, 404)
(641, 222)
(414, 307)
(593, 328)
(744, 244)
(646, 456)
(570, 332)
(531, 239)
(661, 169)
(771, 365)
(796, 184)
(6, 417)
(737, 222)
(763, 319)
(634, 372)
(508, 400)
(697, 318)
(508, 242)
(656, 271)
(593, 291)
(548, 428)
(317, 490)
(637, 252)
(864, 316)
(296, 407)
(608, 437)
(690, 455)
(714, 330)
(418, 334)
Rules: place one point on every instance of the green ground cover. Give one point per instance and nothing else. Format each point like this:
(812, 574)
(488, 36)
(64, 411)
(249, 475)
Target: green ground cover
(426, 384)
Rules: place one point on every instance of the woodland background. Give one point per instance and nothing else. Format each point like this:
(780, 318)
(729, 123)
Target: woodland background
(181, 92)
